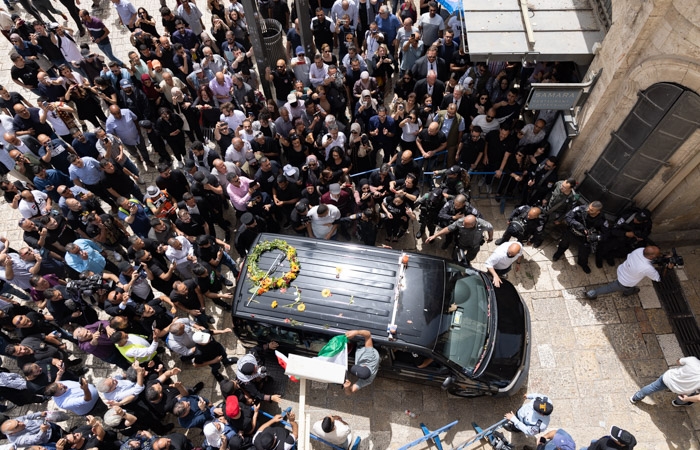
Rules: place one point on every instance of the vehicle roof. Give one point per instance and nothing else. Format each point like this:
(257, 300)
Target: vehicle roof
(361, 295)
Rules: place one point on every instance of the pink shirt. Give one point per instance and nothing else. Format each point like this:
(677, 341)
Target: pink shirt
(239, 194)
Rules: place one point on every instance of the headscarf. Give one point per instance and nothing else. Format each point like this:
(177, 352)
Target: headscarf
(150, 91)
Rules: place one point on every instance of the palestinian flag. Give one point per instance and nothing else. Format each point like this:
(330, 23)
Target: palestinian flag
(282, 361)
(335, 351)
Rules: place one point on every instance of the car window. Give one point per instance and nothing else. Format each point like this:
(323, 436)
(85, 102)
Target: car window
(260, 332)
(465, 327)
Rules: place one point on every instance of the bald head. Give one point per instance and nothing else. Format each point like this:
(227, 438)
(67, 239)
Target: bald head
(470, 221)
(514, 249)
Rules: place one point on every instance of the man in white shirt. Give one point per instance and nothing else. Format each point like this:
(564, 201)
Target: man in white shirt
(181, 252)
(342, 7)
(118, 391)
(321, 224)
(683, 380)
(33, 203)
(334, 430)
(501, 260)
(639, 264)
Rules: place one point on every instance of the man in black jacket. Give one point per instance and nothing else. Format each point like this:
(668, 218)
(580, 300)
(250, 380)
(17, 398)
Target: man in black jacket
(586, 227)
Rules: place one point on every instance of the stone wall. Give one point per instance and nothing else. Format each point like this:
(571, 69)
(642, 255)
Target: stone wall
(649, 42)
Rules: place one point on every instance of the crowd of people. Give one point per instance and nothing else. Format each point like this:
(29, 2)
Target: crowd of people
(388, 100)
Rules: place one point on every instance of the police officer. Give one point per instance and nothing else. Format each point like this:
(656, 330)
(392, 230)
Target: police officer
(455, 209)
(430, 205)
(470, 235)
(560, 200)
(541, 181)
(533, 417)
(586, 226)
(456, 181)
(526, 224)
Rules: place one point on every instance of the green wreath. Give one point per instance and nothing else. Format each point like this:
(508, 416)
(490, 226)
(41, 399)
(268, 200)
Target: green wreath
(259, 277)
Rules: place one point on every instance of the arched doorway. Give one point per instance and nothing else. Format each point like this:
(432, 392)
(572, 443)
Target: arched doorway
(665, 116)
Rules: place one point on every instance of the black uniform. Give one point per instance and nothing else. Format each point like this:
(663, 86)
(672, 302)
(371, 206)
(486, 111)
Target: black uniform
(585, 231)
(523, 228)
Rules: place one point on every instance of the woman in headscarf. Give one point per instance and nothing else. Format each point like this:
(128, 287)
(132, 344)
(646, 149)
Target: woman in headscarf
(148, 86)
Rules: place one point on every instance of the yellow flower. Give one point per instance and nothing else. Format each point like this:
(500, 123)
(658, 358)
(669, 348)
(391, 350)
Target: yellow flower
(273, 305)
(326, 293)
(301, 307)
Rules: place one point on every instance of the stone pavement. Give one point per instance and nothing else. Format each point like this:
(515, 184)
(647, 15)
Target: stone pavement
(587, 356)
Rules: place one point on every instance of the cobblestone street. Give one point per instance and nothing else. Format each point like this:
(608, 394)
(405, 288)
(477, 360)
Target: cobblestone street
(588, 357)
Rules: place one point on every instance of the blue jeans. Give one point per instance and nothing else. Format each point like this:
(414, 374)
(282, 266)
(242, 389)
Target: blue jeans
(9, 288)
(656, 386)
(613, 286)
(106, 48)
(227, 261)
(130, 166)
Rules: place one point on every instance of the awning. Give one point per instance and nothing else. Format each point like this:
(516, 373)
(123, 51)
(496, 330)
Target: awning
(559, 30)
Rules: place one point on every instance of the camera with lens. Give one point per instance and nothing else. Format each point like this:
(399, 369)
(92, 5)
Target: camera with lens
(88, 285)
(674, 258)
(594, 237)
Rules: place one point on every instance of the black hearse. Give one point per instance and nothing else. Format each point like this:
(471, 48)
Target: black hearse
(418, 308)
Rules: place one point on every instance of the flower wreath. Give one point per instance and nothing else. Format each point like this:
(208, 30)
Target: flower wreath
(259, 277)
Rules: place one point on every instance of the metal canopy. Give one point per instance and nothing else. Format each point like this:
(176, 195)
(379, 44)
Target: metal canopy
(542, 30)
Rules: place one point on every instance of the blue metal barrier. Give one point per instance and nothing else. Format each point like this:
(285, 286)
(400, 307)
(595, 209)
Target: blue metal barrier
(428, 435)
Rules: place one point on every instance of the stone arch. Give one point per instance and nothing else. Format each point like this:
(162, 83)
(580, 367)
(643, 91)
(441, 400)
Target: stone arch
(656, 69)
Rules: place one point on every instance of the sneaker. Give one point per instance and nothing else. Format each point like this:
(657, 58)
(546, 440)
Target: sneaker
(679, 403)
(231, 360)
(226, 282)
(633, 401)
(586, 269)
(557, 256)
(197, 387)
(591, 295)
(632, 292)
(499, 241)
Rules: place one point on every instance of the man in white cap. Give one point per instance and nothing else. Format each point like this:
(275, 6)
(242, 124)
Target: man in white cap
(218, 433)
(199, 76)
(294, 105)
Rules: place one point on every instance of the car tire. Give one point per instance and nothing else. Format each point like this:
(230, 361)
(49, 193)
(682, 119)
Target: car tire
(462, 392)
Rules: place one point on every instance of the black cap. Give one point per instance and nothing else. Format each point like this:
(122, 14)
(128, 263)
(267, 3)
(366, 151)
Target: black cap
(124, 266)
(360, 372)
(145, 124)
(247, 218)
(542, 406)
(248, 369)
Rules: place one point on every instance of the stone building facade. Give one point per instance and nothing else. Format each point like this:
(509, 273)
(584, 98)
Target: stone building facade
(651, 44)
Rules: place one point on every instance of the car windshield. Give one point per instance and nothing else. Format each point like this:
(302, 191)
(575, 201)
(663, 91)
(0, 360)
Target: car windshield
(465, 326)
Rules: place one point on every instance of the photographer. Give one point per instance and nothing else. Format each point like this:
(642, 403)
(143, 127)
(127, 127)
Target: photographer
(639, 264)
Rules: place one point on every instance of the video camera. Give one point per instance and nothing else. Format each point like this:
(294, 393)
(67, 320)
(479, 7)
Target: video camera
(88, 285)
(674, 258)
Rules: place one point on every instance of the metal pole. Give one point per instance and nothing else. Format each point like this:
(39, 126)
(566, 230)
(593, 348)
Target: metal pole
(256, 39)
(305, 26)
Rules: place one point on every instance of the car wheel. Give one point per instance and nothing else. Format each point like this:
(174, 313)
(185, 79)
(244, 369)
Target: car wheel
(464, 392)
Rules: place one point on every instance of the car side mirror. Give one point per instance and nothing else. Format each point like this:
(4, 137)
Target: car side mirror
(449, 381)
